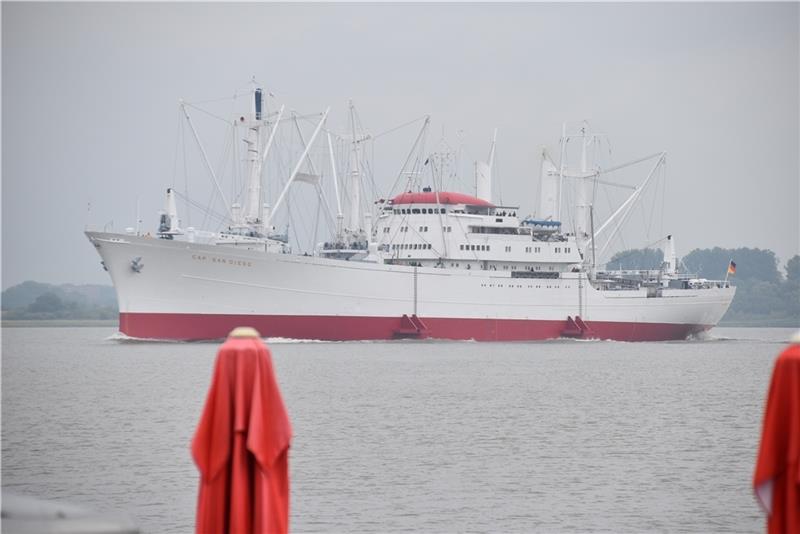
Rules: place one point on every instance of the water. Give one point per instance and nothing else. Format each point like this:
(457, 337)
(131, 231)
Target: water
(557, 436)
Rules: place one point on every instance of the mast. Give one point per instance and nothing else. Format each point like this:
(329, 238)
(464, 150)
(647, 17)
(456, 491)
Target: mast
(354, 216)
(254, 205)
(265, 213)
(561, 164)
(339, 216)
(582, 193)
(353, 220)
(594, 258)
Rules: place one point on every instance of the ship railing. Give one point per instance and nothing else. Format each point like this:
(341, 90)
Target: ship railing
(647, 273)
(536, 274)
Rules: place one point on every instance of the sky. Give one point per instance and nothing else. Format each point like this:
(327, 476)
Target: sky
(90, 92)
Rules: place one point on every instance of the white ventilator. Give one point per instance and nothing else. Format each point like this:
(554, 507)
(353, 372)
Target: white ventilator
(670, 257)
(483, 174)
(548, 197)
(170, 225)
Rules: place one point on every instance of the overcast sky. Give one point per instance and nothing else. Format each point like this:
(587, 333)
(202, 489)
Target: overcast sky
(89, 95)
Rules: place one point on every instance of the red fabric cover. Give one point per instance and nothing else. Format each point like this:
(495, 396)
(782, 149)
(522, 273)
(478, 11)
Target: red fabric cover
(778, 465)
(241, 445)
(431, 197)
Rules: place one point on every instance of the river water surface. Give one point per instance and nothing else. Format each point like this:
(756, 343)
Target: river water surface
(426, 436)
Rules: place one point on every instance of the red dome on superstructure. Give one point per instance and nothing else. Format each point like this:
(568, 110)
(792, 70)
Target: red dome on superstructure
(429, 197)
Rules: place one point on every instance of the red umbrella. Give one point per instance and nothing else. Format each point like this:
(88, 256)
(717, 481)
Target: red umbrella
(242, 443)
(777, 477)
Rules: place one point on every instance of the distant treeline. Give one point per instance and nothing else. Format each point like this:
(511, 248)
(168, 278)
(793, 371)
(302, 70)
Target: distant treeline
(764, 295)
(34, 300)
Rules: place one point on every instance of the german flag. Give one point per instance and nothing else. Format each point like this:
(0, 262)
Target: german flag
(732, 268)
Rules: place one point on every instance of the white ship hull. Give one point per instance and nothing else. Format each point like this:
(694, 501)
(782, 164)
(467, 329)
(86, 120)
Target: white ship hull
(193, 291)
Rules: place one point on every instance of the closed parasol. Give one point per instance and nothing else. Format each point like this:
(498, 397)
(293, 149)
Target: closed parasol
(242, 442)
(777, 476)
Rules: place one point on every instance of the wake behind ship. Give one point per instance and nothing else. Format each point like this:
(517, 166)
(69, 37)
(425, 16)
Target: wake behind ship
(426, 263)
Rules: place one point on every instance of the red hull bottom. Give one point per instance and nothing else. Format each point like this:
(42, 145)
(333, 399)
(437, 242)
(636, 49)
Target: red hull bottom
(189, 326)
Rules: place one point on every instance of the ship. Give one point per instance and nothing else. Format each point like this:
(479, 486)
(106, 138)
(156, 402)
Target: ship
(423, 263)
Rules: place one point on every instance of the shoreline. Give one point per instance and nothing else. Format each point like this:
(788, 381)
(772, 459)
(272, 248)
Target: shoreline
(755, 323)
(37, 323)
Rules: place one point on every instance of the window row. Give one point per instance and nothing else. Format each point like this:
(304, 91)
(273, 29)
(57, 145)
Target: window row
(475, 247)
(519, 286)
(411, 246)
(445, 229)
(416, 211)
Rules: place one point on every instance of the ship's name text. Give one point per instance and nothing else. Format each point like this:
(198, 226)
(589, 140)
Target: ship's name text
(226, 261)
